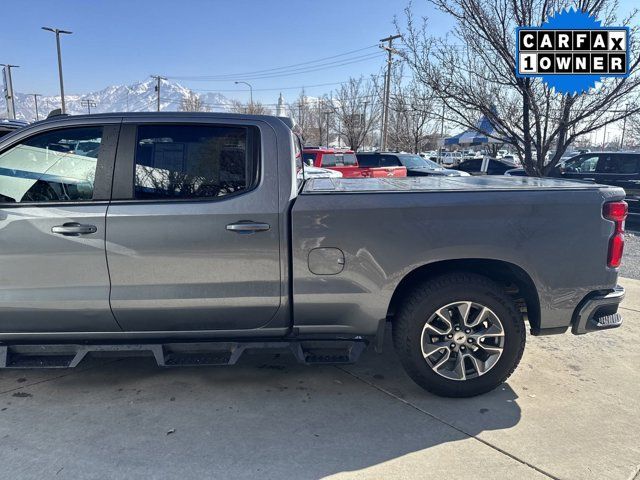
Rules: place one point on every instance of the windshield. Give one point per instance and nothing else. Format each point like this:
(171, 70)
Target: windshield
(416, 161)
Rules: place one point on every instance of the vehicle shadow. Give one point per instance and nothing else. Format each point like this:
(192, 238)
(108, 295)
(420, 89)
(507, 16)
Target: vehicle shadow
(266, 417)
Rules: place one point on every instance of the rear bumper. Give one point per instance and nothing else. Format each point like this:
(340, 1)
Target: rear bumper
(598, 311)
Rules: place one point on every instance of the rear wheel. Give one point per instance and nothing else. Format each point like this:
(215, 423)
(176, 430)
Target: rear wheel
(459, 335)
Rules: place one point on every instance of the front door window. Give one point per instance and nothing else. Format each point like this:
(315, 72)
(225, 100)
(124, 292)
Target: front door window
(56, 166)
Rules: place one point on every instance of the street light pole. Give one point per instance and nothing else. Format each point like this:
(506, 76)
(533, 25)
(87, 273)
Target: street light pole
(58, 32)
(250, 91)
(11, 105)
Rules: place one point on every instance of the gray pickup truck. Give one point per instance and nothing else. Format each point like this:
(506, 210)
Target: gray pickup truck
(192, 238)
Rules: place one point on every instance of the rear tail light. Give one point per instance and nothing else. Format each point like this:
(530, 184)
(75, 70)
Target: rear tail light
(617, 213)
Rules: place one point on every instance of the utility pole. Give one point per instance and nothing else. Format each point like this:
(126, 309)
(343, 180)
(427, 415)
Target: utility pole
(327, 112)
(58, 32)
(88, 102)
(624, 126)
(35, 100)
(159, 81)
(441, 135)
(8, 90)
(387, 88)
(364, 122)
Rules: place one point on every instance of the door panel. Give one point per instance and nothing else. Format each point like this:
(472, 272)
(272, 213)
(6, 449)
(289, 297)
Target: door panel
(177, 267)
(174, 264)
(52, 282)
(54, 188)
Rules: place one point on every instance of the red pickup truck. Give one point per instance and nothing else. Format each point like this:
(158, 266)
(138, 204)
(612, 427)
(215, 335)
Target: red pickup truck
(345, 162)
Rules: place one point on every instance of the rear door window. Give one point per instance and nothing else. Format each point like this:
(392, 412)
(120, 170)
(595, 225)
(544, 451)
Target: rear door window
(389, 161)
(608, 164)
(629, 164)
(369, 161)
(195, 161)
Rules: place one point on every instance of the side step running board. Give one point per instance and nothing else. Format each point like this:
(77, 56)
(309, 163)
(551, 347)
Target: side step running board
(320, 352)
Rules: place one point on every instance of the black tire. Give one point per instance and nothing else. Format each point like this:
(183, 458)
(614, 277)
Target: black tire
(424, 300)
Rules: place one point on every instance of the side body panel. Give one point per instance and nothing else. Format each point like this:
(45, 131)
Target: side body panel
(557, 236)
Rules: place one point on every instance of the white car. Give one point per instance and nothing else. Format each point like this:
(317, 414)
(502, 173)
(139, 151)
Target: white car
(317, 172)
(451, 159)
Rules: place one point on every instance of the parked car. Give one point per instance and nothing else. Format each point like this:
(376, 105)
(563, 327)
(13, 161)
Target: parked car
(192, 240)
(450, 159)
(346, 162)
(620, 169)
(7, 126)
(416, 165)
(309, 172)
(430, 155)
(486, 166)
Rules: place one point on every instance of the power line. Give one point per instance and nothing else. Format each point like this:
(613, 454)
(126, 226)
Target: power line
(299, 71)
(299, 87)
(269, 70)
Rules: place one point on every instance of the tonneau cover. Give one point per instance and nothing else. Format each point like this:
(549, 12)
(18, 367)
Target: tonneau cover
(439, 184)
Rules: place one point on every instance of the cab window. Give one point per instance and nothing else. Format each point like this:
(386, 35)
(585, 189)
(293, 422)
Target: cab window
(586, 164)
(55, 166)
(194, 161)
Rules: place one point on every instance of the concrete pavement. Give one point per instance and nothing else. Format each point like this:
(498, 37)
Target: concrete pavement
(569, 411)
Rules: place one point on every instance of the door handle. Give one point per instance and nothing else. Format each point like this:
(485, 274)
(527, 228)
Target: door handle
(590, 179)
(74, 229)
(248, 227)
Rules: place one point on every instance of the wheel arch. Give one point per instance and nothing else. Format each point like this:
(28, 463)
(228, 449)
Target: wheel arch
(515, 280)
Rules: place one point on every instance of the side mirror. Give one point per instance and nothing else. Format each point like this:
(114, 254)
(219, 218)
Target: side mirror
(309, 162)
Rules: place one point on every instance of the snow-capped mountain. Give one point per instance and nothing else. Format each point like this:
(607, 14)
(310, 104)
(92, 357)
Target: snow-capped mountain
(139, 97)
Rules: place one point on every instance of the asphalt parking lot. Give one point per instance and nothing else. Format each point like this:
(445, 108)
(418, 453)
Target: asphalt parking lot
(570, 411)
(630, 267)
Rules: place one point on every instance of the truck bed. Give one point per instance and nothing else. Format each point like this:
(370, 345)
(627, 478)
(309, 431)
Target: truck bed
(551, 229)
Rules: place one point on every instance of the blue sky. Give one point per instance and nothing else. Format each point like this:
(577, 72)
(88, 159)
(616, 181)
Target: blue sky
(124, 41)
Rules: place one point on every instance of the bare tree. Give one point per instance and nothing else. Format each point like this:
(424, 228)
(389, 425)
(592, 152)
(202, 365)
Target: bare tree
(300, 112)
(411, 116)
(253, 108)
(476, 76)
(193, 102)
(632, 132)
(320, 120)
(356, 110)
